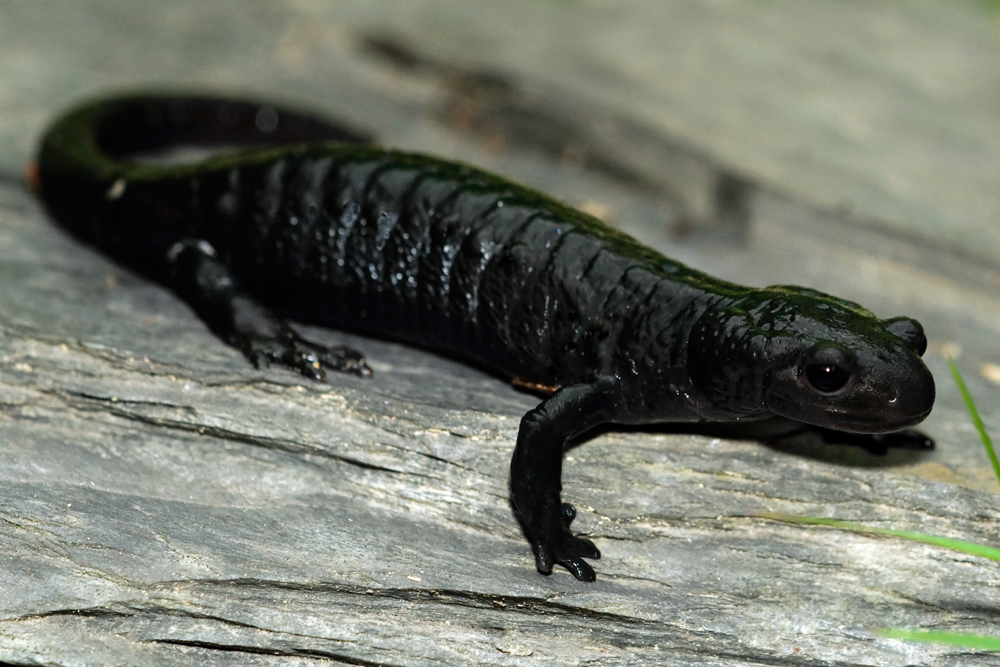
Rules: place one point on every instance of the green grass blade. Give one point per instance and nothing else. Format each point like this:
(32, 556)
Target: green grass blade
(976, 419)
(957, 545)
(966, 640)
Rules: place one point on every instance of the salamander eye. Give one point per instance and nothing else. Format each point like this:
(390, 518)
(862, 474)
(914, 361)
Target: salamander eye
(827, 378)
(827, 370)
(910, 332)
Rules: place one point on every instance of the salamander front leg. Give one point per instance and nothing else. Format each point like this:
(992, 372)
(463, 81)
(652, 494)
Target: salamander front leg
(208, 285)
(536, 474)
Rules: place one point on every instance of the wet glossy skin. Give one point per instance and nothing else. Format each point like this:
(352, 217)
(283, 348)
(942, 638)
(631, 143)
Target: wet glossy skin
(819, 360)
(451, 258)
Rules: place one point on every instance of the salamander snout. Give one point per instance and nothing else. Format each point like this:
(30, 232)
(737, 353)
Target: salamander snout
(855, 387)
(811, 357)
(845, 369)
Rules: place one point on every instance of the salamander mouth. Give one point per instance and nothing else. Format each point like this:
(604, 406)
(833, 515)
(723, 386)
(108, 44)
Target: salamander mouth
(850, 421)
(878, 423)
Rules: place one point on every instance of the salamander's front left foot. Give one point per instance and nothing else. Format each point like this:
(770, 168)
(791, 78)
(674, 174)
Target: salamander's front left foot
(879, 444)
(566, 549)
(909, 439)
(310, 359)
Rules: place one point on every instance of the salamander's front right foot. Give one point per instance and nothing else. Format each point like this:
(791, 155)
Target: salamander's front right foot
(565, 548)
(536, 469)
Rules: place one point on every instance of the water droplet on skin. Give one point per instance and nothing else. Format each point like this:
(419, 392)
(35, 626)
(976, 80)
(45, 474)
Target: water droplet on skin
(350, 213)
(228, 204)
(116, 190)
(266, 120)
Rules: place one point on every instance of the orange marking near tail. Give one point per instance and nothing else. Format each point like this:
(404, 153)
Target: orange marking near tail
(32, 178)
(542, 389)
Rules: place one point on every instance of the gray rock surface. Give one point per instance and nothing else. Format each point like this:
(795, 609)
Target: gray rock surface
(162, 502)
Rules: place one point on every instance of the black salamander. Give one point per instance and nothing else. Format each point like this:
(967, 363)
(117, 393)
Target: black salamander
(313, 222)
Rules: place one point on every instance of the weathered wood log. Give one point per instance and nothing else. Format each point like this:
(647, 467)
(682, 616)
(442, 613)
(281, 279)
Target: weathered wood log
(161, 501)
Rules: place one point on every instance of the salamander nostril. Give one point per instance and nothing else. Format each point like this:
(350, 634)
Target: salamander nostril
(910, 332)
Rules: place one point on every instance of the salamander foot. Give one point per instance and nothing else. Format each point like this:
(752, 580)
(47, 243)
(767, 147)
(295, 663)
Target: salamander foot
(310, 359)
(209, 285)
(879, 444)
(567, 549)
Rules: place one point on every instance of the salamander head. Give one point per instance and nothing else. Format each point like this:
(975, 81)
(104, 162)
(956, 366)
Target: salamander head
(817, 359)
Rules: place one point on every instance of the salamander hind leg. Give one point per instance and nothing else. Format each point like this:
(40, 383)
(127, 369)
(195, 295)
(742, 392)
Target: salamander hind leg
(536, 471)
(209, 287)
